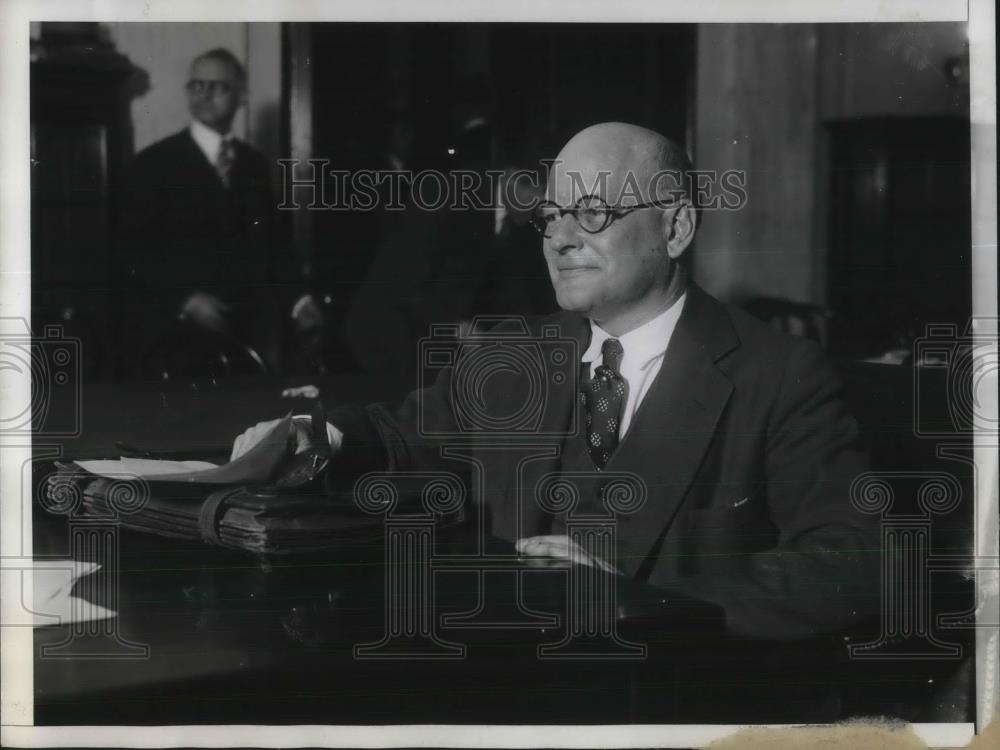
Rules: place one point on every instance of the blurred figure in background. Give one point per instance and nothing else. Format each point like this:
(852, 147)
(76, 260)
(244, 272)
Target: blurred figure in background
(517, 279)
(399, 142)
(379, 327)
(369, 336)
(475, 254)
(198, 228)
(429, 259)
(473, 141)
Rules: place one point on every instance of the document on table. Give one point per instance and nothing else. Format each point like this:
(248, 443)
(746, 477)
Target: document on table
(52, 603)
(256, 466)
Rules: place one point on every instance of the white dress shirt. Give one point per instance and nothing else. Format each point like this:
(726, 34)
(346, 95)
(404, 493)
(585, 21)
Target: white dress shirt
(208, 141)
(644, 347)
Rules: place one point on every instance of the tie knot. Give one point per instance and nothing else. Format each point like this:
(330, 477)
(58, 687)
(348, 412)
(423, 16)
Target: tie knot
(226, 150)
(612, 353)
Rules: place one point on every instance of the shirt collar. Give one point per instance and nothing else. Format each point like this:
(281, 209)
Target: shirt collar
(208, 140)
(642, 345)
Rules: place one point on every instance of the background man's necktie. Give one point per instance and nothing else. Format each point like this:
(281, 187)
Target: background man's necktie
(224, 161)
(604, 398)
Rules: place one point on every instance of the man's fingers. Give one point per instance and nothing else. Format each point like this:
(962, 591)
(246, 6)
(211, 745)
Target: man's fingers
(549, 539)
(606, 566)
(541, 546)
(238, 443)
(561, 547)
(523, 546)
(301, 437)
(538, 553)
(535, 545)
(538, 544)
(250, 437)
(538, 561)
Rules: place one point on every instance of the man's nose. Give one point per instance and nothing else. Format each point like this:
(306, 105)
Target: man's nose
(564, 235)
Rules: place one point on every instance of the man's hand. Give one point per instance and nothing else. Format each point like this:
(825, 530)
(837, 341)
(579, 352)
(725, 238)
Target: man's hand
(207, 310)
(307, 313)
(562, 548)
(298, 437)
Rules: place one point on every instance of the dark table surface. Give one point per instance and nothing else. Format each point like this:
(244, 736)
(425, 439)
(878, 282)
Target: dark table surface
(238, 638)
(234, 637)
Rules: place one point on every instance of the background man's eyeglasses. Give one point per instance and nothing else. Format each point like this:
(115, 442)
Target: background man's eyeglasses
(591, 213)
(202, 86)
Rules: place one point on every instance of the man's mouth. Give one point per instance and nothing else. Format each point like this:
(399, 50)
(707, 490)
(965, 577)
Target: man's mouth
(576, 270)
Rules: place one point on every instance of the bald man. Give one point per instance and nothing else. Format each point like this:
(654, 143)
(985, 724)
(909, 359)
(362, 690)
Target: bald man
(739, 433)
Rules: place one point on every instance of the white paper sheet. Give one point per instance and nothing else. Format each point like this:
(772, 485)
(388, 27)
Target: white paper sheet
(256, 466)
(52, 582)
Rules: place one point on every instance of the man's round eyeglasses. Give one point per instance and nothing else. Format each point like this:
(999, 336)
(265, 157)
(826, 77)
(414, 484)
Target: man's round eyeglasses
(203, 86)
(591, 213)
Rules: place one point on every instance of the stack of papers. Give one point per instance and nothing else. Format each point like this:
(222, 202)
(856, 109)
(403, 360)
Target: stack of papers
(256, 466)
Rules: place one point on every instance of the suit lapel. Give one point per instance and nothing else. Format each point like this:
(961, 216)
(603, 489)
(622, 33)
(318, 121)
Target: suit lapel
(200, 161)
(675, 424)
(239, 175)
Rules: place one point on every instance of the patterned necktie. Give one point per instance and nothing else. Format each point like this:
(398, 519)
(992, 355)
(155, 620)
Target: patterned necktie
(224, 161)
(604, 398)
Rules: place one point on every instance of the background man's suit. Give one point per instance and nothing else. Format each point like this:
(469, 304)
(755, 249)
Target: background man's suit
(748, 454)
(442, 266)
(181, 230)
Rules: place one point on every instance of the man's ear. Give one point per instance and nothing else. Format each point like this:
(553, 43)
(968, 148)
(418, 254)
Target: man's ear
(678, 228)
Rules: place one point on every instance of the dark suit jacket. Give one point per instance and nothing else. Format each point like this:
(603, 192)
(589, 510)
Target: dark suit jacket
(181, 231)
(746, 449)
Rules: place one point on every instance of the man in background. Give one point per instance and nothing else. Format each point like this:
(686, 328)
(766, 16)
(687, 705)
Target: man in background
(516, 281)
(198, 225)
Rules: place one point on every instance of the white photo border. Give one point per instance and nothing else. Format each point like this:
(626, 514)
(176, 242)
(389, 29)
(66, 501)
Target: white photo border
(16, 643)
